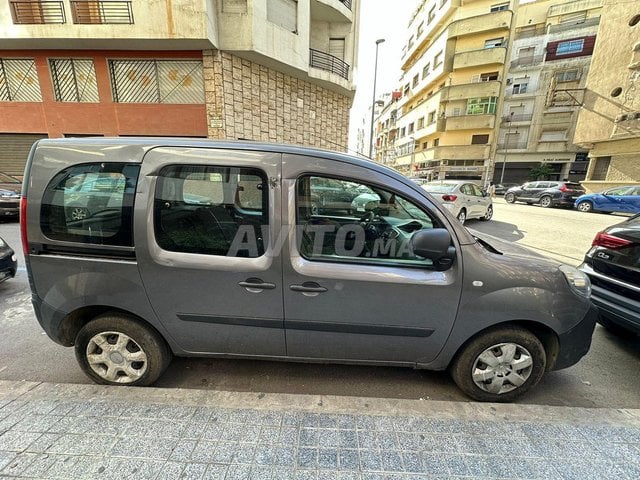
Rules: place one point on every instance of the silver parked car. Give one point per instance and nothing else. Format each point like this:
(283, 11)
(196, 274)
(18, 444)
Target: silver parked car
(465, 200)
(210, 248)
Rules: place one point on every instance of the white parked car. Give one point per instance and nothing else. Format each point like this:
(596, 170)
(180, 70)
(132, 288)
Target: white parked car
(462, 198)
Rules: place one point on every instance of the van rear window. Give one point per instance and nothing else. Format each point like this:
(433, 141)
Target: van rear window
(91, 203)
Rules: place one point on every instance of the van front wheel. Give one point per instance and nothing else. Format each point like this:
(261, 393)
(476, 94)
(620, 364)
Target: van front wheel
(118, 350)
(499, 365)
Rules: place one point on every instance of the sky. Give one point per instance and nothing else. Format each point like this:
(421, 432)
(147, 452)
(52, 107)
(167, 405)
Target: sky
(378, 19)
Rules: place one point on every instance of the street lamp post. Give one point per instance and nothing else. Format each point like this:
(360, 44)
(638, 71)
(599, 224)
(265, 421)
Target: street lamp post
(373, 102)
(506, 146)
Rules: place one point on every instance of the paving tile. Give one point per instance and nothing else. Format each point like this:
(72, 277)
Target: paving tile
(128, 468)
(182, 450)
(328, 437)
(348, 459)
(271, 473)
(288, 435)
(82, 445)
(307, 458)
(17, 441)
(327, 458)
(412, 462)
(19, 464)
(238, 472)
(152, 448)
(194, 471)
(170, 470)
(154, 428)
(35, 423)
(202, 451)
(39, 466)
(5, 458)
(307, 475)
(43, 442)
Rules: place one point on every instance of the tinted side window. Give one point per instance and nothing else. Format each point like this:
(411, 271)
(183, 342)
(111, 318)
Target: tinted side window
(91, 203)
(363, 224)
(211, 210)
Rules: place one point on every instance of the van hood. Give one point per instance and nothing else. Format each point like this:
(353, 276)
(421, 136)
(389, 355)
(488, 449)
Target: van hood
(511, 249)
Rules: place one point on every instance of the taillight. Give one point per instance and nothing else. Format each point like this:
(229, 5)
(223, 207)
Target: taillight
(23, 225)
(449, 198)
(609, 241)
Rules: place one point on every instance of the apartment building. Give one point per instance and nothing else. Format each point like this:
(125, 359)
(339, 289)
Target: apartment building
(550, 55)
(270, 70)
(475, 99)
(609, 121)
(453, 71)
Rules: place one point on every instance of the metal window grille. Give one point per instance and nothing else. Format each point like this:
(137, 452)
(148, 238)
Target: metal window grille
(74, 80)
(101, 12)
(19, 80)
(37, 12)
(157, 81)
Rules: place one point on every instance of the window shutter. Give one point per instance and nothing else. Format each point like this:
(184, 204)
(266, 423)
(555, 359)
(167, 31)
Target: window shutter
(283, 13)
(336, 47)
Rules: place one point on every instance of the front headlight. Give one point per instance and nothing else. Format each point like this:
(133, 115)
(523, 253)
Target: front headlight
(578, 281)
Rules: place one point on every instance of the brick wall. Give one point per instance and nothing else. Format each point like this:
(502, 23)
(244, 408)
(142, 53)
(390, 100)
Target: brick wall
(248, 100)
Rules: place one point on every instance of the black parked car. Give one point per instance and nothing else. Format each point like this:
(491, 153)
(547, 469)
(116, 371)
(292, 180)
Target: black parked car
(546, 193)
(8, 261)
(613, 265)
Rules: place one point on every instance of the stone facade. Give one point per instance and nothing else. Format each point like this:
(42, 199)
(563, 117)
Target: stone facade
(250, 101)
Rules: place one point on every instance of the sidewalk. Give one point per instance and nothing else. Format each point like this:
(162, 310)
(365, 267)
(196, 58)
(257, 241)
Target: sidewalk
(90, 431)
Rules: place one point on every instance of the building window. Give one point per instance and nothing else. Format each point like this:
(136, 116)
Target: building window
(283, 13)
(437, 60)
(432, 14)
(336, 47)
(574, 18)
(520, 88)
(403, 132)
(431, 118)
(406, 89)
(19, 80)
(416, 79)
(493, 42)
(572, 46)
(567, 75)
(420, 123)
(486, 77)
(436, 142)
(499, 7)
(411, 127)
(410, 43)
(101, 12)
(481, 106)
(601, 168)
(157, 81)
(425, 70)
(420, 29)
(479, 139)
(74, 80)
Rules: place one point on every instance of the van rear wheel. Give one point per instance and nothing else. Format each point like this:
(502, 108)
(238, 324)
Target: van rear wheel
(115, 349)
(499, 365)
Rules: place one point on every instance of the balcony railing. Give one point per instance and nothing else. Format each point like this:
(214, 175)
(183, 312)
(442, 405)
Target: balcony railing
(347, 3)
(530, 32)
(329, 63)
(526, 117)
(527, 61)
(512, 146)
(101, 12)
(563, 27)
(575, 6)
(25, 12)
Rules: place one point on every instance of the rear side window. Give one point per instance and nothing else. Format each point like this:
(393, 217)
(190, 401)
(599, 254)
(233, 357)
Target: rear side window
(91, 203)
(212, 210)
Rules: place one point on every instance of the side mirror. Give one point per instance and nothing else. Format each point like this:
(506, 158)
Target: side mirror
(435, 245)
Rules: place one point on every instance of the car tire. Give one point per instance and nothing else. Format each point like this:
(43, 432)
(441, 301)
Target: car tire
(488, 214)
(546, 201)
(138, 355)
(517, 363)
(462, 216)
(585, 206)
(77, 213)
(509, 197)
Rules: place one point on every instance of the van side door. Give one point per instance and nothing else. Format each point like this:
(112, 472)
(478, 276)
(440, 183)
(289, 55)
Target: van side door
(206, 223)
(352, 288)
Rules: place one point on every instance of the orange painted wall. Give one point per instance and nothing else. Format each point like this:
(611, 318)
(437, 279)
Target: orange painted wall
(105, 118)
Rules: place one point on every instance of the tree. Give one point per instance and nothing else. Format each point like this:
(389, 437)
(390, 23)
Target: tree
(541, 172)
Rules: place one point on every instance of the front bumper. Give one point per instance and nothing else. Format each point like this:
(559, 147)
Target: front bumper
(8, 266)
(575, 343)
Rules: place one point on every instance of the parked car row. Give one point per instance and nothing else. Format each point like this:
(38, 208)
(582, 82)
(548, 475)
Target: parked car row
(9, 196)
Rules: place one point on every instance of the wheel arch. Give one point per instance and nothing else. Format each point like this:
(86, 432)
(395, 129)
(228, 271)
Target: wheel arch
(547, 336)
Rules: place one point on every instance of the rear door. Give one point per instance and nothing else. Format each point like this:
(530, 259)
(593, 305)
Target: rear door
(352, 288)
(206, 224)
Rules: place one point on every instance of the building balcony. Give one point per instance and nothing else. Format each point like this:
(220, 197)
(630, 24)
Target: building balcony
(328, 63)
(522, 118)
(481, 23)
(575, 6)
(455, 152)
(530, 32)
(565, 27)
(102, 24)
(503, 147)
(523, 62)
(332, 10)
(471, 90)
(477, 58)
(470, 122)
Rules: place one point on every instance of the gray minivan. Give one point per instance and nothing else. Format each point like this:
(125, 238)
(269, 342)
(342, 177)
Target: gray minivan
(211, 248)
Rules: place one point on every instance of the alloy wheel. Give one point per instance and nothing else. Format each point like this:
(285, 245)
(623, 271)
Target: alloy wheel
(585, 207)
(462, 216)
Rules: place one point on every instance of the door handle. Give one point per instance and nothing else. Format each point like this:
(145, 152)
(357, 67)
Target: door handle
(308, 289)
(256, 285)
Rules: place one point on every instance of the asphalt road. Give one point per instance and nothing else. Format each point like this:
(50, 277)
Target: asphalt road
(606, 377)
